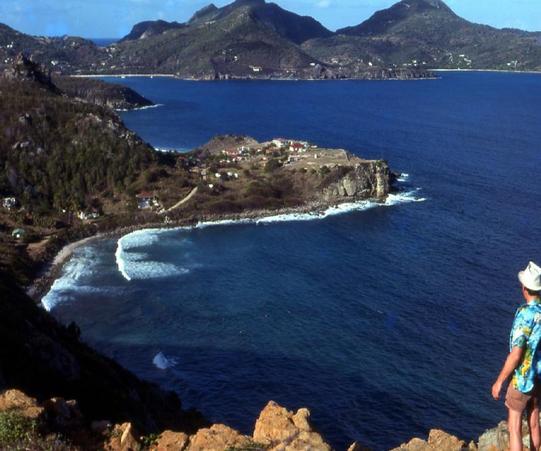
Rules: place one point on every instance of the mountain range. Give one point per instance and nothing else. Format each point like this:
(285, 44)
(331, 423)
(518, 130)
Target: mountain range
(256, 39)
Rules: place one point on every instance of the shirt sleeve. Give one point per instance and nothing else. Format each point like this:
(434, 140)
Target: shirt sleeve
(522, 329)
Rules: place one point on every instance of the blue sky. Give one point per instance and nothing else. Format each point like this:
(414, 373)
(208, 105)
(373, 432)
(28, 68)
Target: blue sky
(114, 18)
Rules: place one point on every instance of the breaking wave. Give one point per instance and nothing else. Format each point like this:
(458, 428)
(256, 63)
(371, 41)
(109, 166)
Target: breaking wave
(141, 108)
(72, 281)
(392, 199)
(134, 264)
(403, 177)
(162, 362)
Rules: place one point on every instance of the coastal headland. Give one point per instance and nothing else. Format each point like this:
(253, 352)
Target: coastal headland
(73, 171)
(233, 179)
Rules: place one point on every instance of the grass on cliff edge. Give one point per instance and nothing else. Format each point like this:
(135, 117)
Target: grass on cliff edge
(20, 433)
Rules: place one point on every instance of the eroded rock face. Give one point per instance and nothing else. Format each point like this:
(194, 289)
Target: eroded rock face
(497, 439)
(368, 180)
(217, 438)
(123, 438)
(171, 441)
(437, 441)
(281, 429)
(15, 400)
(277, 429)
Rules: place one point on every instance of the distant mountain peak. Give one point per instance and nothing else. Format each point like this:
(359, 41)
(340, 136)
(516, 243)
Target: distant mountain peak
(433, 4)
(204, 13)
(149, 28)
(239, 3)
(383, 20)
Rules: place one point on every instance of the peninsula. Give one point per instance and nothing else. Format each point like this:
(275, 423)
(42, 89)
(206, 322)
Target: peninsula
(71, 170)
(89, 172)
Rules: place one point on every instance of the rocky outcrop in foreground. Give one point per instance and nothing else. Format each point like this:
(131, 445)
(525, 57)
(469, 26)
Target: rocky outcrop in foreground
(496, 439)
(59, 424)
(40, 425)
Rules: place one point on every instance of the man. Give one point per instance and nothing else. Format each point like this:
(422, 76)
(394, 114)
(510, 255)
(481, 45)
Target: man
(523, 362)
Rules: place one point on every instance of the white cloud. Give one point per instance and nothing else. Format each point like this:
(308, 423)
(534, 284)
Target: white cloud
(323, 3)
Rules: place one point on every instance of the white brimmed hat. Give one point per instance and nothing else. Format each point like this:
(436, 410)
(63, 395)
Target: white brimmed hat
(531, 277)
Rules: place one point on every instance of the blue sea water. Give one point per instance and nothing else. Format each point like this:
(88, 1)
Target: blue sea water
(385, 322)
(104, 42)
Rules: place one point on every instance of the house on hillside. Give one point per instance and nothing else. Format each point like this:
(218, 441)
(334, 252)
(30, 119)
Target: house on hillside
(298, 147)
(88, 215)
(146, 201)
(231, 152)
(279, 142)
(9, 203)
(18, 234)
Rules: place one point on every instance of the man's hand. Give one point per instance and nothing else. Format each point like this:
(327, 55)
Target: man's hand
(496, 390)
(511, 363)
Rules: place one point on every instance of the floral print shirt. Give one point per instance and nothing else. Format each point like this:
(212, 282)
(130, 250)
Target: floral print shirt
(526, 334)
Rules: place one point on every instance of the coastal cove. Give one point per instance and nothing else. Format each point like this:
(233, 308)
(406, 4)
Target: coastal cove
(331, 314)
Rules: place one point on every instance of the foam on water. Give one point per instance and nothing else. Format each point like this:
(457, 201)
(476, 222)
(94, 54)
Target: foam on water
(72, 280)
(392, 199)
(403, 177)
(162, 362)
(223, 222)
(134, 265)
(141, 108)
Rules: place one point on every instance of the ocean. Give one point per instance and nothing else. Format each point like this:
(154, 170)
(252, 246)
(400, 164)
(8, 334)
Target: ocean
(104, 42)
(385, 321)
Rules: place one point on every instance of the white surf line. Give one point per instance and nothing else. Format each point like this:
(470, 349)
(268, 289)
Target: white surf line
(392, 200)
(120, 261)
(122, 75)
(404, 177)
(141, 108)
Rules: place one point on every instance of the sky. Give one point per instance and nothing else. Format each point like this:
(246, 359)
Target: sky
(114, 18)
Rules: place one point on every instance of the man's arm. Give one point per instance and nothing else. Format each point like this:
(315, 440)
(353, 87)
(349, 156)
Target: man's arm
(511, 363)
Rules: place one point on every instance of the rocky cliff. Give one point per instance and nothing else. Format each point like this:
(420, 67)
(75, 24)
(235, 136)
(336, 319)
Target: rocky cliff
(366, 180)
(60, 424)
